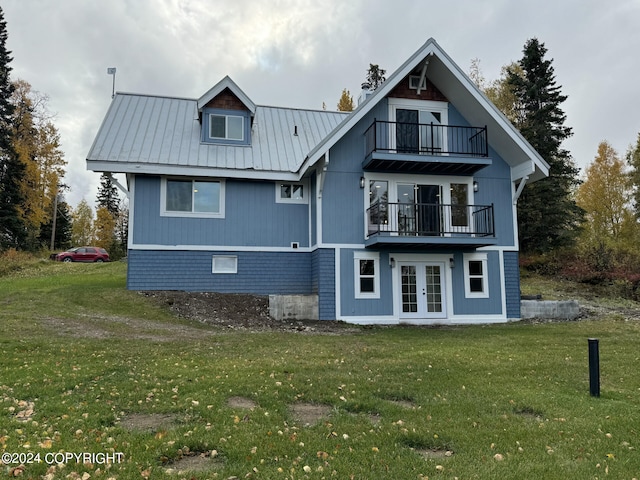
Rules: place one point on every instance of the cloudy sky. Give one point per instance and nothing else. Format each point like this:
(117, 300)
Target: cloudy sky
(301, 53)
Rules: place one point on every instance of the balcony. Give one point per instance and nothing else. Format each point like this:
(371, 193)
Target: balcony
(425, 148)
(420, 225)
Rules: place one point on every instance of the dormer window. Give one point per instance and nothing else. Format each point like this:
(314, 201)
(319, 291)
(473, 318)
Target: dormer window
(226, 127)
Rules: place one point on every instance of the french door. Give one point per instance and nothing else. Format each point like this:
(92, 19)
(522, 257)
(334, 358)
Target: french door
(419, 131)
(422, 292)
(419, 211)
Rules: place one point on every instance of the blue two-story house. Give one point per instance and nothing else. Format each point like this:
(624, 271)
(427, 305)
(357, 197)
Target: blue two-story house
(403, 210)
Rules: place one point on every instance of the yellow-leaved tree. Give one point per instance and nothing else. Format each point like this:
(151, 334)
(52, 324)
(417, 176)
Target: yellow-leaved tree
(82, 227)
(610, 229)
(37, 142)
(104, 228)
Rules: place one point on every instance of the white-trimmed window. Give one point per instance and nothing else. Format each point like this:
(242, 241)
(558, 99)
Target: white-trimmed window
(192, 198)
(224, 264)
(476, 283)
(367, 274)
(226, 127)
(288, 192)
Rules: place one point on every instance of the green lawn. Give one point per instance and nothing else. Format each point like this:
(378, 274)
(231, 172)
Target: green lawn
(81, 359)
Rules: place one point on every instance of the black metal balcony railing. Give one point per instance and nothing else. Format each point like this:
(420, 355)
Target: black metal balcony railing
(430, 219)
(426, 139)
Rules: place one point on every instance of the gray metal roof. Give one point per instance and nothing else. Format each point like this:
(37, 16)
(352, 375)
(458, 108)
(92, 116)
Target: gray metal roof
(143, 133)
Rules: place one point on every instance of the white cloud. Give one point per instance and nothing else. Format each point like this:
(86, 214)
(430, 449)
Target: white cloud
(302, 53)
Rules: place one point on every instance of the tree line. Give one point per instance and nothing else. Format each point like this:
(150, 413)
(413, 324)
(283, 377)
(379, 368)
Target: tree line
(586, 226)
(33, 212)
(583, 226)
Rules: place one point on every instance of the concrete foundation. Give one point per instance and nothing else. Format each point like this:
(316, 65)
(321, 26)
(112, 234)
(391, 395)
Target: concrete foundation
(566, 309)
(293, 307)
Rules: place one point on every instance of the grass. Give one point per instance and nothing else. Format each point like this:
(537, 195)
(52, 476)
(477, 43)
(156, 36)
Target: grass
(79, 355)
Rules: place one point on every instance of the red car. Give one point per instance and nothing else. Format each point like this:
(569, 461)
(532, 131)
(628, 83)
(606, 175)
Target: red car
(83, 254)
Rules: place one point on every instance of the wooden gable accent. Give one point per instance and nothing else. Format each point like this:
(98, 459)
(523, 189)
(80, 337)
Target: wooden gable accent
(402, 90)
(226, 100)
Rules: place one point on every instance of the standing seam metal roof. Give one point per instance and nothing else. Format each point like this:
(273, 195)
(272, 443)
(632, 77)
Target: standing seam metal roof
(152, 130)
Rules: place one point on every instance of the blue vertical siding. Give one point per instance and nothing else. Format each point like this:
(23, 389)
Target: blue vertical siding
(362, 307)
(342, 198)
(259, 273)
(478, 306)
(512, 284)
(252, 218)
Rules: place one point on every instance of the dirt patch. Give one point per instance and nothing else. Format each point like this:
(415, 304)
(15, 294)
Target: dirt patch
(194, 462)
(112, 326)
(309, 413)
(148, 422)
(240, 312)
(404, 404)
(241, 402)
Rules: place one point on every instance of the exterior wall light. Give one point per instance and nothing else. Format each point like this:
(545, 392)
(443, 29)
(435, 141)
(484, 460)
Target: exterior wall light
(475, 186)
(452, 262)
(361, 182)
(392, 262)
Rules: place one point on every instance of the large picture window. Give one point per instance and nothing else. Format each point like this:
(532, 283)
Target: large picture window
(192, 198)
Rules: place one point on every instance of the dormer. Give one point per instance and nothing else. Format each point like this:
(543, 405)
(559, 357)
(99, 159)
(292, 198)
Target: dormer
(226, 114)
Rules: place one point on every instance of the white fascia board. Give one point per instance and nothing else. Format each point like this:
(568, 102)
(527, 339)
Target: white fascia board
(381, 92)
(187, 171)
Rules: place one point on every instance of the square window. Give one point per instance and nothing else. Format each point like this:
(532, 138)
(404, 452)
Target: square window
(475, 284)
(475, 267)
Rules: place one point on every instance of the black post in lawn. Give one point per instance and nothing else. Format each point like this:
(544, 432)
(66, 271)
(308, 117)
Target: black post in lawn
(594, 368)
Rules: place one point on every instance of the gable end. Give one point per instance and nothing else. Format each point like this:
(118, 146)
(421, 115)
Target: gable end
(402, 90)
(226, 100)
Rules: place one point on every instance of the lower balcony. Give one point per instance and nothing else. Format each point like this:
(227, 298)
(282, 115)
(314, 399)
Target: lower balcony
(429, 225)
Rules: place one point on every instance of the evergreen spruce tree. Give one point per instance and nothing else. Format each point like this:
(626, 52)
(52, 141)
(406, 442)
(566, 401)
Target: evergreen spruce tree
(633, 160)
(375, 76)
(108, 195)
(12, 170)
(548, 216)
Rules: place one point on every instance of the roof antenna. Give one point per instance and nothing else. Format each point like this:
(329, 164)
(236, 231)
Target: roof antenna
(112, 71)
